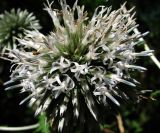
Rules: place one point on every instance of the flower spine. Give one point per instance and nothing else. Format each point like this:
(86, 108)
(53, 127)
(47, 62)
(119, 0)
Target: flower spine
(82, 62)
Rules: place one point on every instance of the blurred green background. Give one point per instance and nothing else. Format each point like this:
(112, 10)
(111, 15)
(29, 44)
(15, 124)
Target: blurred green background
(143, 117)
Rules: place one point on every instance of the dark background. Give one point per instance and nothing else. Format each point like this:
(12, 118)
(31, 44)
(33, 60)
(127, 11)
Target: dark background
(141, 118)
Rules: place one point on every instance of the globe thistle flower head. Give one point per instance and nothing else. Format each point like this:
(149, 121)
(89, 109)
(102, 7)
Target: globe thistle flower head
(13, 25)
(79, 66)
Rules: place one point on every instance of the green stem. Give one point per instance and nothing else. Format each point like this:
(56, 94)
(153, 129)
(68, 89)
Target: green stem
(146, 47)
(23, 128)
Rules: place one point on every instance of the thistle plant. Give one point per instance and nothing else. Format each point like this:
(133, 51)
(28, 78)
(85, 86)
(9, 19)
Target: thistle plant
(79, 67)
(13, 25)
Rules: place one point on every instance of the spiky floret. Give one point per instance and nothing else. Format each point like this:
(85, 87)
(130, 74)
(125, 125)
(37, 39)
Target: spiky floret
(79, 66)
(13, 25)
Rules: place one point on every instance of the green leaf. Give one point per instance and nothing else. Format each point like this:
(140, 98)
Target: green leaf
(43, 125)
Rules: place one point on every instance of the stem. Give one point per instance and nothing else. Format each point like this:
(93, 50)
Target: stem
(23, 128)
(146, 47)
(153, 57)
(120, 123)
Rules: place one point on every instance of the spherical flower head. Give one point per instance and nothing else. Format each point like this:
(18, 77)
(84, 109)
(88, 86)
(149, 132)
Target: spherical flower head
(78, 67)
(13, 25)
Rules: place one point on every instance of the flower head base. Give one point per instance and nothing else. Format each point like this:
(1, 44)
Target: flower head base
(13, 25)
(78, 65)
